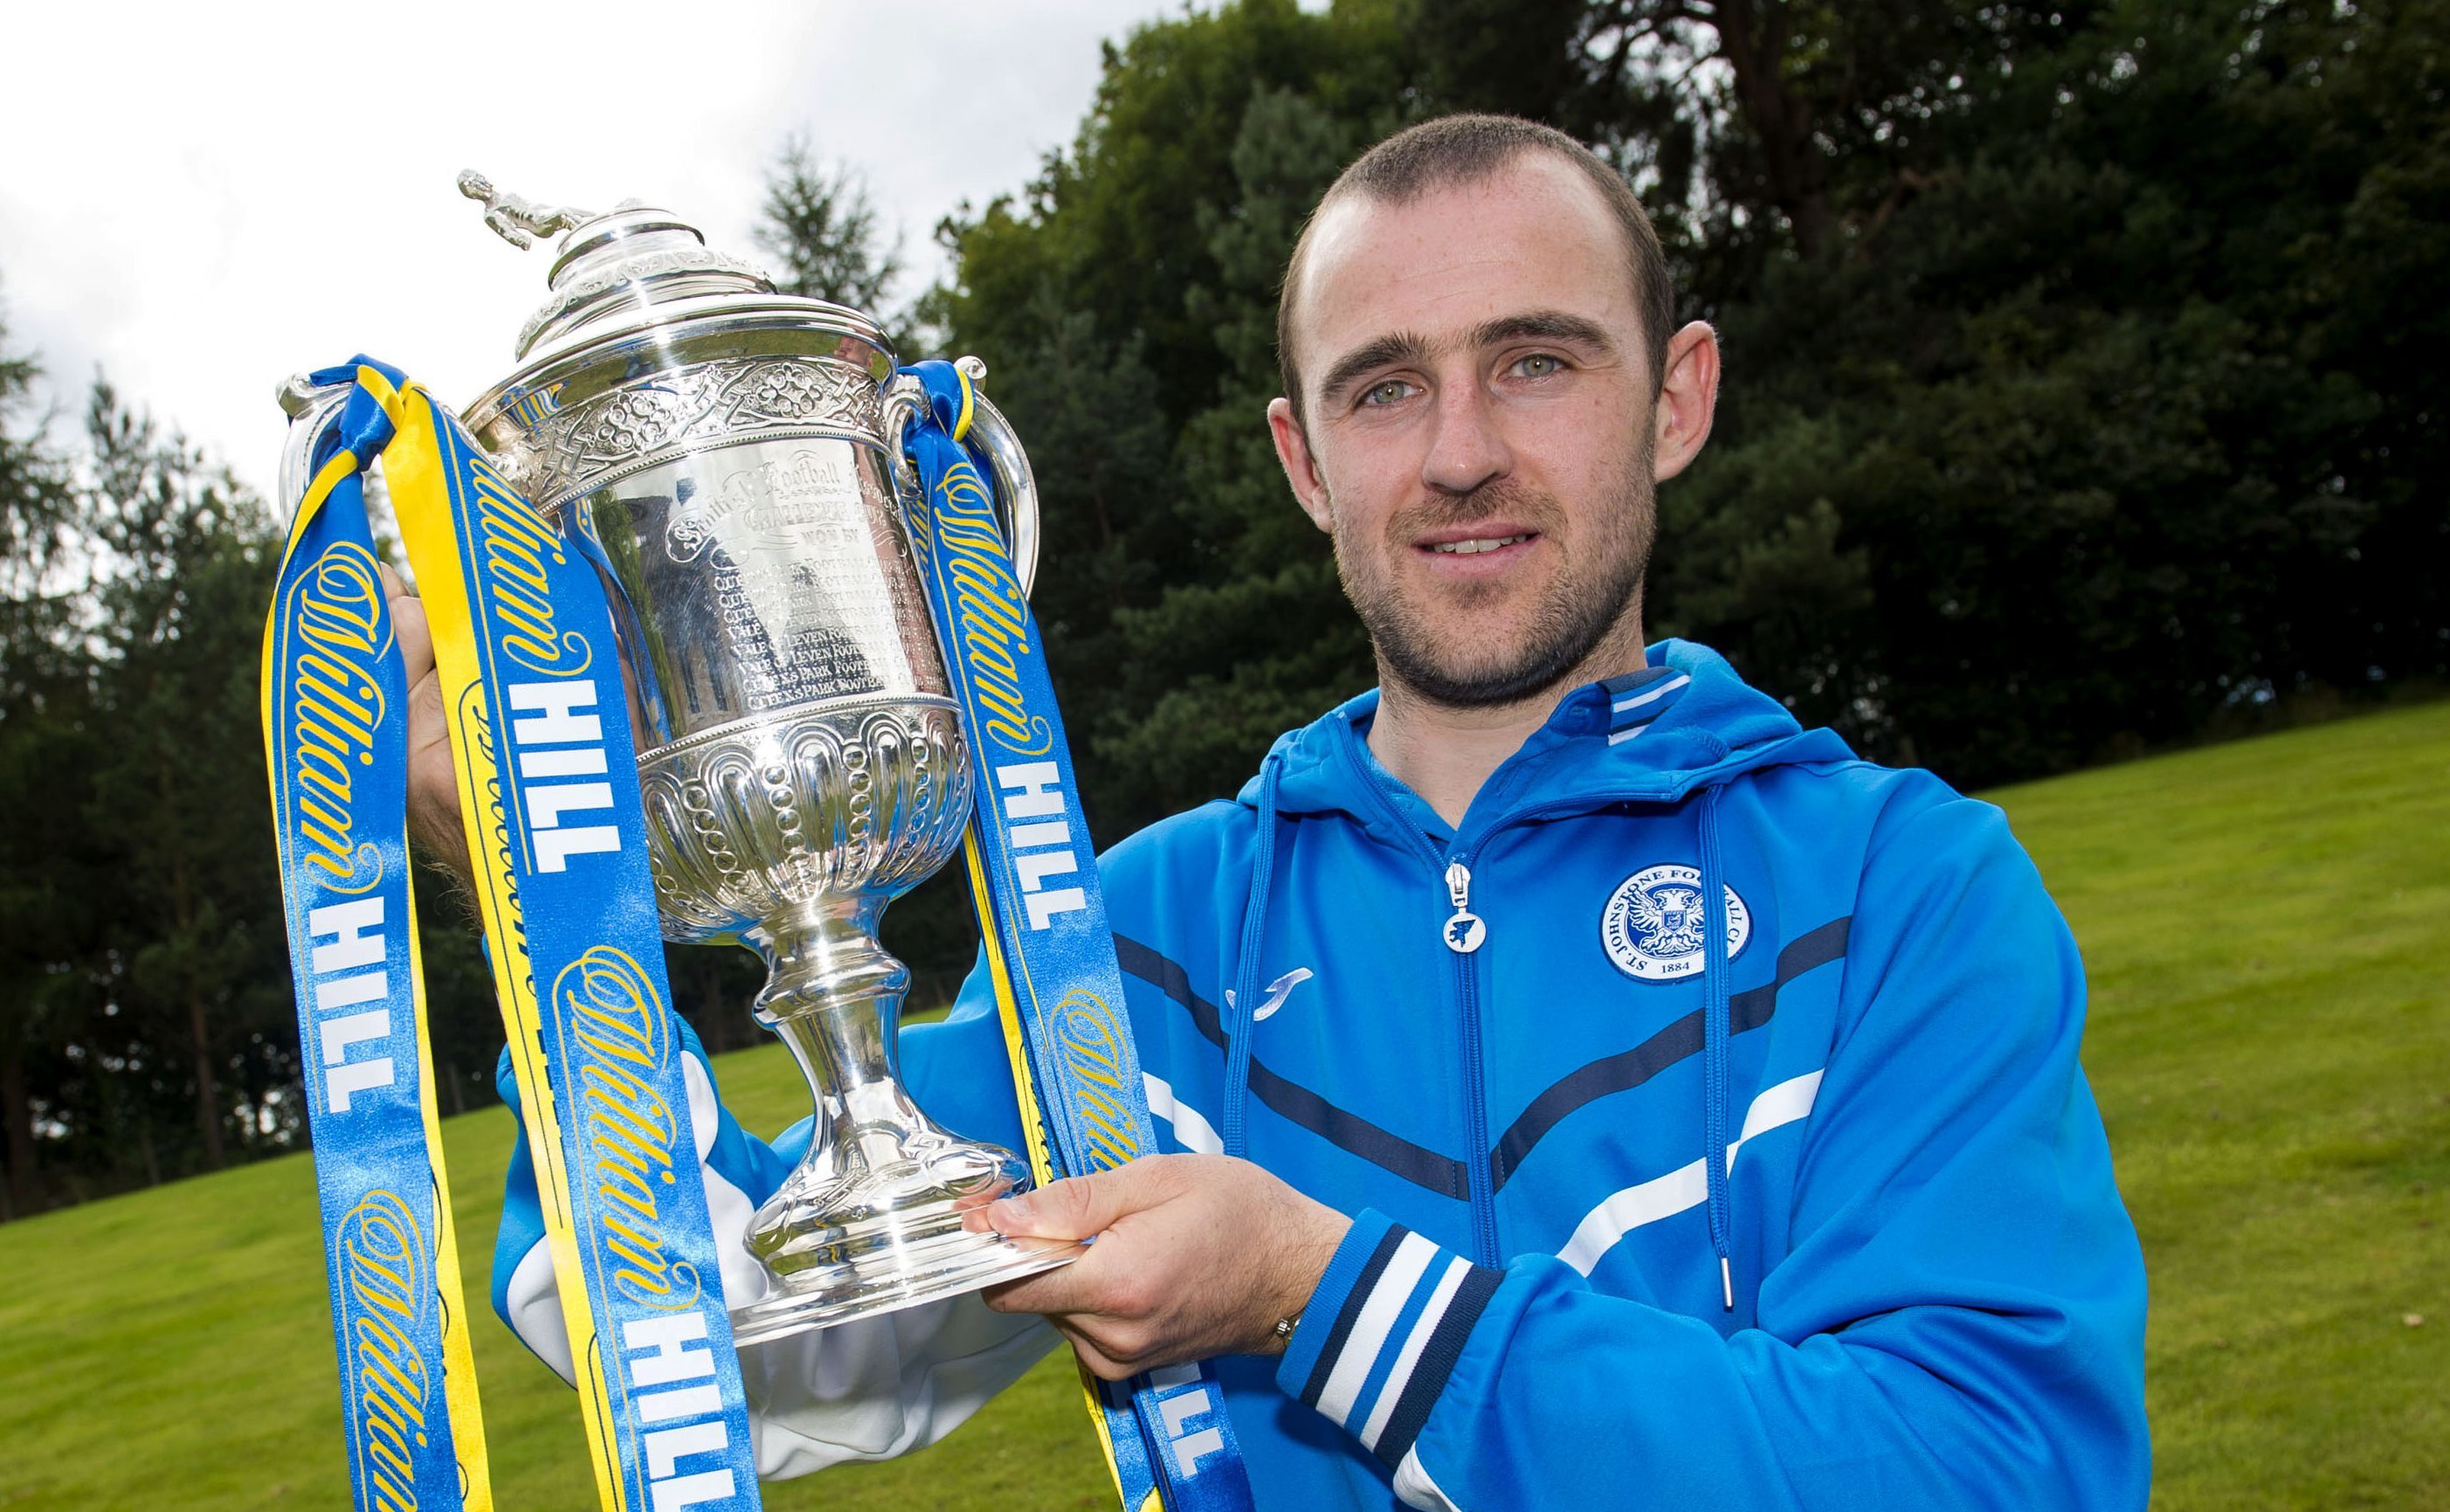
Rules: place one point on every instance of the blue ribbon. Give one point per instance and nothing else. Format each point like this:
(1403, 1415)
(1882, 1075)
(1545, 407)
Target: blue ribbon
(549, 785)
(336, 746)
(1052, 946)
(336, 711)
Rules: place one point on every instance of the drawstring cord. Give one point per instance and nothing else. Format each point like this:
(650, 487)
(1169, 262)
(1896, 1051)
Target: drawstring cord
(1245, 1000)
(1715, 1027)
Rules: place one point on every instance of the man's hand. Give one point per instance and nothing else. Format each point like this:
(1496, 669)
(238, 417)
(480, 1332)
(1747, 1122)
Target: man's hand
(433, 786)
(1197, 1255)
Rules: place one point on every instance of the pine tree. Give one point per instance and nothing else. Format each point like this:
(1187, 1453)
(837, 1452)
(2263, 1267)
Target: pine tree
(819, 222)
(46, 689)
(180, 797)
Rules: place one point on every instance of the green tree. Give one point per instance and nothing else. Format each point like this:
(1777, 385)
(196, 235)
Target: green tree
(2082, 396)
(1259, 638)
(2075, 398)
(198, 956)
(46, 689)
(818, 221)
(2108, 433)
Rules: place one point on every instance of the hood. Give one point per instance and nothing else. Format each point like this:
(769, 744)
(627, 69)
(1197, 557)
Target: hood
(1718, 727)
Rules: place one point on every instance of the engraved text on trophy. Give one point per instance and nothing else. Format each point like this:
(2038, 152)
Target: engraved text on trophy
(796, 581)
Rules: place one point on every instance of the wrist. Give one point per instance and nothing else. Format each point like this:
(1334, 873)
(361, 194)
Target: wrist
(1311, 1248)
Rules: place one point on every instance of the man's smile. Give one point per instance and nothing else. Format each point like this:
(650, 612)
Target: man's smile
(1475, 551)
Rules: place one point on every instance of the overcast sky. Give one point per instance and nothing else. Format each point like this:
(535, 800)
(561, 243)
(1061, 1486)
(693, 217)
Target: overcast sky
(200, 198)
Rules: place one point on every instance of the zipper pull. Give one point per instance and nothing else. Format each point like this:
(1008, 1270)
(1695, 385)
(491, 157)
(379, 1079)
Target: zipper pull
(1466, 930)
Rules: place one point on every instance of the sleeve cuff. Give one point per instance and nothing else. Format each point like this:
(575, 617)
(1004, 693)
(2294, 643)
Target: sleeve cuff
(1382, 1332)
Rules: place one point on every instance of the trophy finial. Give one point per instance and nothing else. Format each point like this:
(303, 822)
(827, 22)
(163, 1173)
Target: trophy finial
(512, 218)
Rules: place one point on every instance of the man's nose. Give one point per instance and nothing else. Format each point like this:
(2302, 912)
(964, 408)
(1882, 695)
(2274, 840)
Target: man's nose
(1466, 448)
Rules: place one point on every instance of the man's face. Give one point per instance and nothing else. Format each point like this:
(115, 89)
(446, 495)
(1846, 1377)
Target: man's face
(1481, 435)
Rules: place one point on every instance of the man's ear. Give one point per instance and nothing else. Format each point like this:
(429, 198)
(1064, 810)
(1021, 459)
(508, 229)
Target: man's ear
(1301, 469)
(1689, 399)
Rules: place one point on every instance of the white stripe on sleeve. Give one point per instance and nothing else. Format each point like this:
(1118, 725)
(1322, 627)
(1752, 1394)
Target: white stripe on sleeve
(1404, 1271)
(1400, 1375)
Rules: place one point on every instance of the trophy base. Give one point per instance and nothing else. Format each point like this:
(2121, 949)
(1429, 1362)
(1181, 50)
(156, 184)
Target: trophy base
(926, 1261)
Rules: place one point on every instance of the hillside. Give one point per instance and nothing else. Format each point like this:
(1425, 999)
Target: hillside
(2264, 923)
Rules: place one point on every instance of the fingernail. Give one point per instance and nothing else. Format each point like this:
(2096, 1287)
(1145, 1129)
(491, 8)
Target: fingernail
(1011, 1212)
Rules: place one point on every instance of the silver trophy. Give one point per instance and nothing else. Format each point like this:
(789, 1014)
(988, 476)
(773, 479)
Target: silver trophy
(730, 459)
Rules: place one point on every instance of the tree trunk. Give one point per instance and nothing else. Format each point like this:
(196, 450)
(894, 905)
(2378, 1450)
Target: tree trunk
(199, 1040)
(24, 1192)
(1752, 37)
(208, 1113)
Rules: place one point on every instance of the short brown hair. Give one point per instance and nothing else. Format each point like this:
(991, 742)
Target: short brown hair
(1465, 149)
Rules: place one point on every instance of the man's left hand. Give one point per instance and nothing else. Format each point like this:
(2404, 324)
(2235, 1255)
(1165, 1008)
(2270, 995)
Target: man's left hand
(1196, 1255)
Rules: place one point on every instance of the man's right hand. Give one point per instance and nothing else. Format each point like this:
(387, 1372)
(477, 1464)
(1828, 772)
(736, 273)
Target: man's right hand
(434, 824)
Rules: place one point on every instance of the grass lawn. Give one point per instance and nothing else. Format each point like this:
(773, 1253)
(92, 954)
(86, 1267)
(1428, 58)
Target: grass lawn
(2270, 1042)
(2267, 928)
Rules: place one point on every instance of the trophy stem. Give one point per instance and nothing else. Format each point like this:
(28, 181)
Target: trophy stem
(833, 994)
(870, 1219)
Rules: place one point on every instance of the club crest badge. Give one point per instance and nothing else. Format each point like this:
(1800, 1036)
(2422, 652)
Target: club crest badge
(1653, 922)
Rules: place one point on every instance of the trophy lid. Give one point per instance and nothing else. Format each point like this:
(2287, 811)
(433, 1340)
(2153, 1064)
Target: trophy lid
(612, 269)
(641, 311)
(654, 345)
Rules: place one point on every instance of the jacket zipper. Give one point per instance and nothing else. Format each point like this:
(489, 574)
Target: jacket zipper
(1457, 877)
(1463, 932)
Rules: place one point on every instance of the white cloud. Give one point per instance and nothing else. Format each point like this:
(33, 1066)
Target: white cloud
(200, 199)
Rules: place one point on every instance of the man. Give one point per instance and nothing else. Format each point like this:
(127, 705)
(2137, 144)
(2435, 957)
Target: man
(1628, 1097)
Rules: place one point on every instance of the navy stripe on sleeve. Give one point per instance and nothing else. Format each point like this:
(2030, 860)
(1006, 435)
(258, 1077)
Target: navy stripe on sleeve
(1437, 1361)
(1397, 1336)
(1354, 1302)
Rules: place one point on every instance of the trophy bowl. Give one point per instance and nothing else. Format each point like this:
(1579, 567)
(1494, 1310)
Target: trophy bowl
(728, 457)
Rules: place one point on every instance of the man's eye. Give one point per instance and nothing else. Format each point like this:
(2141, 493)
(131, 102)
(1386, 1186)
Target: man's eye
(1540, 364)
(1385, 392)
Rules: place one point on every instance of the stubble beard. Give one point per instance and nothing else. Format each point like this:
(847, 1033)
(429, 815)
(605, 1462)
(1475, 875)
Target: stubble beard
(1581, 604)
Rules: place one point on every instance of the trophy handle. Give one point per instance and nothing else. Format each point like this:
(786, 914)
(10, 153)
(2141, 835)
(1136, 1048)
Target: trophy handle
(308, 405)
(1016, 487)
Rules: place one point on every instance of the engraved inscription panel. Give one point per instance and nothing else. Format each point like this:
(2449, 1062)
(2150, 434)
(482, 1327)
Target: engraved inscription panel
(798, 588)
(762, 576)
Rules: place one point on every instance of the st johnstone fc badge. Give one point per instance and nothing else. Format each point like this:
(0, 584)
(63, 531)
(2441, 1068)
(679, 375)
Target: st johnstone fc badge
(1653, 922)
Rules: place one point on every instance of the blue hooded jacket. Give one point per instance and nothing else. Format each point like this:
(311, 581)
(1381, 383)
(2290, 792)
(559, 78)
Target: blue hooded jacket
(1707, 1104)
